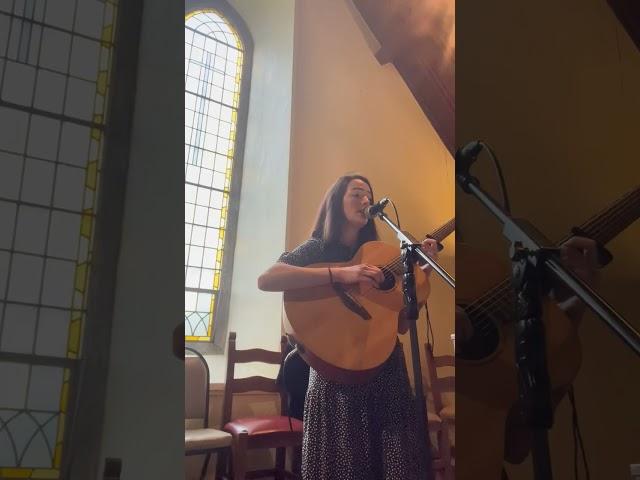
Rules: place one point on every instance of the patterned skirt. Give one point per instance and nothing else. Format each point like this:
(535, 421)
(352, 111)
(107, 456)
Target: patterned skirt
(362, 432)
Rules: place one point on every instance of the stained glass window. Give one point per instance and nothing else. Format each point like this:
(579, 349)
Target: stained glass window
(213, 68)
(55, 64)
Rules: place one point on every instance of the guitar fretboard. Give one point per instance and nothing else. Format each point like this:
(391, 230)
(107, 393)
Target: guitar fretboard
(438, 235)
(498, 302)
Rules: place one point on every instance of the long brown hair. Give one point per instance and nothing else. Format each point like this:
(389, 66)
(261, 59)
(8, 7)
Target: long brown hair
(330, 219)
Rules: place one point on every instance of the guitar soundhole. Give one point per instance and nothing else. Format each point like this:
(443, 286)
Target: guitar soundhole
(389, 279)
(485, 338)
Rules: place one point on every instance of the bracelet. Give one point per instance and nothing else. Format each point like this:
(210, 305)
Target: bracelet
(330, 276)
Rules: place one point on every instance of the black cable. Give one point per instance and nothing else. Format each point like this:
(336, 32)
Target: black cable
(575, 452)
(396, 210)
(505, 198)
(577, 434)
(430, 337)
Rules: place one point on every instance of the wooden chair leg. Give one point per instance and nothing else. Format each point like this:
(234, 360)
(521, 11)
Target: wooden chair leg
(435, 428)
(239, 456)
(222, 471)
(203, 473)
(445, 449)
(281, 457)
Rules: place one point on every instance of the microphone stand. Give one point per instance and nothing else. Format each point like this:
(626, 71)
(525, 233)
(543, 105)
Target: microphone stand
(530, 262)
(411, 253)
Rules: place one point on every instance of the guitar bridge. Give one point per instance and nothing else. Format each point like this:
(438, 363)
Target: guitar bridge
(351, 303)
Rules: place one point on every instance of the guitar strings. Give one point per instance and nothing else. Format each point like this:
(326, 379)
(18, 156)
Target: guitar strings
(623, 209)
(491, 294)
(624, 201)
(397, 261)
(604, 228)
(501, 296)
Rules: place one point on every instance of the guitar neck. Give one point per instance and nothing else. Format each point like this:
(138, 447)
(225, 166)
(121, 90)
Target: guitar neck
(603, 227)
(439, 234)
(608, 223)
(443, 231)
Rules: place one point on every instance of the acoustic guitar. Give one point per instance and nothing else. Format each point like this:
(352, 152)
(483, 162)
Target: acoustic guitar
(346, 332)
(487, 381)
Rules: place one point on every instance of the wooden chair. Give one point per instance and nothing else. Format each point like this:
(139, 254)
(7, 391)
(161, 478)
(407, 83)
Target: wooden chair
(273, 431)
(198, 437)
(442, 416)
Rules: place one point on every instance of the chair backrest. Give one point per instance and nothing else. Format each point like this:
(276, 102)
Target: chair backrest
(250, 384)
(196, 391)
(439, 385)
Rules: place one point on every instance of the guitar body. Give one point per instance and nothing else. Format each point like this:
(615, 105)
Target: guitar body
(336, 340)
(487, 388)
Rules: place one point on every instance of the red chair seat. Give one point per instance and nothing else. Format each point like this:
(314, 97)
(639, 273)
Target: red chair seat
(258, 426)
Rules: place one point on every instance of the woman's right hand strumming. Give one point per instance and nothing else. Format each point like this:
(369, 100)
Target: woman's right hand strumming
(281, 277)
(364, 274)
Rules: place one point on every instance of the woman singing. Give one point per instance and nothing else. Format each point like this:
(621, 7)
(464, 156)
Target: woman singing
(351, 432)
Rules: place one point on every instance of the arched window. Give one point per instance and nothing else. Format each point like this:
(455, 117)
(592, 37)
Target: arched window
(216, 93)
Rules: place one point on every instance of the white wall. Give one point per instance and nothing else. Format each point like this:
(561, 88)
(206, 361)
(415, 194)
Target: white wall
(144, 405)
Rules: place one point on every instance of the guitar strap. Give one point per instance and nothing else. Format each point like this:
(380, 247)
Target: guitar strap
(293, 377)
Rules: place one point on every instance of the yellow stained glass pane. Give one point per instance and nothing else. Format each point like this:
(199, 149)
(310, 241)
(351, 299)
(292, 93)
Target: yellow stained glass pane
(15, 472)
(103, 78)
(191, 338)
(91, 179)
(211, 317)
(64, 396)
(107, 35)
(73, 343)
(223, 218)
(81, 277)
(86, 225)
(45, 474)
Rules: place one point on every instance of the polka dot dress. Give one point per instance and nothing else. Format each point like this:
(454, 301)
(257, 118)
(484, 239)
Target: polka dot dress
(357, 432)
(361, 432)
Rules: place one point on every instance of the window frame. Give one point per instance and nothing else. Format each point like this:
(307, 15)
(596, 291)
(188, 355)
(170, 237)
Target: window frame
(217, 342)
(81, 456)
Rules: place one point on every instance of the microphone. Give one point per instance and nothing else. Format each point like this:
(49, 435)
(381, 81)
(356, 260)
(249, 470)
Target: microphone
(373, 210)
(468, 154)
(465, 157)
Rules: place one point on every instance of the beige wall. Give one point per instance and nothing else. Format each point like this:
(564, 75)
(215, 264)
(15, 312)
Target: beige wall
(553, 87)
(352, 114)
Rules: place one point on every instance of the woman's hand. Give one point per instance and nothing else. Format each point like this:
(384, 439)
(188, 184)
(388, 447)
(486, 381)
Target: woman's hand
(464, 327)
(430, 247)
(364, 274)
(579, 254)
